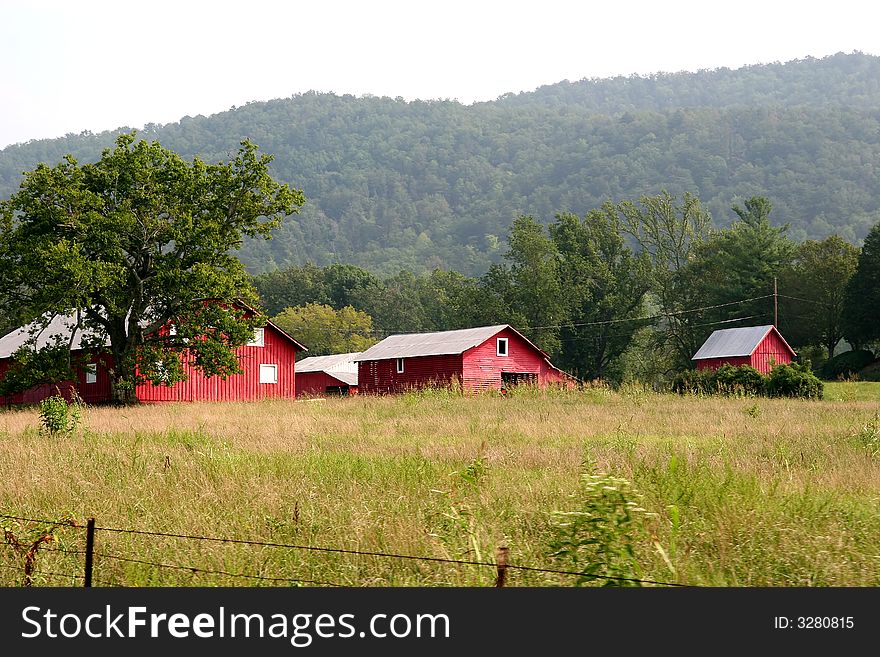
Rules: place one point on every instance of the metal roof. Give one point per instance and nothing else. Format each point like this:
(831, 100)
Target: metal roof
(334, 363)
(441, 343)
(732, 342)
(348, 378)
(60, 327)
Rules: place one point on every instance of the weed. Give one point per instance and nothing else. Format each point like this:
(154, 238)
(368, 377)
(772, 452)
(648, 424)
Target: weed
(869, 436)
(599, 537)
(58, 416)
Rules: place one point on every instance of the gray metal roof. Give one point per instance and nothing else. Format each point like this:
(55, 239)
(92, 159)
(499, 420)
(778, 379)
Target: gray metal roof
(334, 363)
(441, 343)
(60, 326)
(348, 378)
(732, 342)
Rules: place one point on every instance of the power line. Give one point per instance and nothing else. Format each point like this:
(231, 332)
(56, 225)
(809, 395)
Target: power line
(674, 313)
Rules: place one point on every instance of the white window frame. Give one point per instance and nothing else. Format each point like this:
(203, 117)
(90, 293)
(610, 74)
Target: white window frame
(259, 338)
(506, 344)
(91, 372)
(400, 366)
(265, 368)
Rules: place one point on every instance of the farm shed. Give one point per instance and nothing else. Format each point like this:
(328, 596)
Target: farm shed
(327, 375)
(762, 347)
(267, 361)
(484, 358)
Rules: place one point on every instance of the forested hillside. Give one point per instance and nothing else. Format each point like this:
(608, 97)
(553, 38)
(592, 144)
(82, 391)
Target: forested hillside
(418, 185)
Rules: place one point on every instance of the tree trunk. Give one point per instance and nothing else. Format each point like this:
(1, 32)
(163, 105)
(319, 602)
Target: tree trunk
(123, 390)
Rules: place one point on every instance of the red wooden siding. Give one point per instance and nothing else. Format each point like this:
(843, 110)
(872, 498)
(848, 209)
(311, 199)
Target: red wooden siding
(315, 384)
(381, 376)
(715, 363)
(277, 350)
(483, 366)
(771, 351)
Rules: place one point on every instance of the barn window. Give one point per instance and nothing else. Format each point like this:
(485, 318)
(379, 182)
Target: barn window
(400, 365)
(91, 372)
(268, 374)
(259, 339)
(502, 347)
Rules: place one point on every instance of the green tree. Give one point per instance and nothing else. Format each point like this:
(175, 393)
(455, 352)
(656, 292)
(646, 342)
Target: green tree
(737, 264)
(139, 241)
(294, 286)
(536, 289)
(604, 288)
(814, 289)
(861, 311)
(669, 233)
(327, 331)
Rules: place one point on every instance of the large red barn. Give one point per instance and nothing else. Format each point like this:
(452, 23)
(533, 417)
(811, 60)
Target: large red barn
(267, 361)
(484, 358)
(762, 347)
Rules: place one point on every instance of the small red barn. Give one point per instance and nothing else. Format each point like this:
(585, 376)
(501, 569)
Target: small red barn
(317, 376)
(267, 361)
(762, 347)
(485, 358)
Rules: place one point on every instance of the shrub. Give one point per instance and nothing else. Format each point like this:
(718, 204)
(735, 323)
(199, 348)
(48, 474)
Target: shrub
(694, 382)
(846, 364)
(57, 416)
(726, 380)
(795, 380)
(741, 380)
(871, 372)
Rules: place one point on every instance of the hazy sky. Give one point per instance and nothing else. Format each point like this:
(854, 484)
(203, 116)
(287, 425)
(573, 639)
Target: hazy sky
(68, 66)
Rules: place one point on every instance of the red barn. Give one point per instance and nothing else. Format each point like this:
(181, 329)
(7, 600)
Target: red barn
(485, 358)
(762, 347)
(267, 361)
(317, 376)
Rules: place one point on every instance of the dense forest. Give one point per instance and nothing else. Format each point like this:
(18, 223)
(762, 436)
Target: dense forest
(421, 185)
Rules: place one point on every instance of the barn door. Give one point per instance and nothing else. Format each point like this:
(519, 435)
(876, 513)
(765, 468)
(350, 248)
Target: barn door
(509, 379)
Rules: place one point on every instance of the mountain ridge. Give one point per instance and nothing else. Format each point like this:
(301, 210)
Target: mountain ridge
(416, 184)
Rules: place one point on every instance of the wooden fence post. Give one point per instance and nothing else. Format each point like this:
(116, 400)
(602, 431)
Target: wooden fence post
(501, 562)
(90, 549)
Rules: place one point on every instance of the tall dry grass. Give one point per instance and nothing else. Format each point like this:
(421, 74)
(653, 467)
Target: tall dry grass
(747, 491)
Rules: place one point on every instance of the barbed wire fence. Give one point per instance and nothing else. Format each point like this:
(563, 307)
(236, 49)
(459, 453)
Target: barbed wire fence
(87, 554)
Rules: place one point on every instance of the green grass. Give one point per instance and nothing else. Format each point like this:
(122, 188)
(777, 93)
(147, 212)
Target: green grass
(852, 391)
(739, 492)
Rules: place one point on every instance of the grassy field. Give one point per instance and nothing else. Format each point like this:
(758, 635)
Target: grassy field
(735, 491)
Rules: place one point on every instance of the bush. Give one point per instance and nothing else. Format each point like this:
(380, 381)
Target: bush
(726, 380)
(694, 382)
(795, 380)
(846, 364)
(741, 380)
(871, 372)
(57, 416)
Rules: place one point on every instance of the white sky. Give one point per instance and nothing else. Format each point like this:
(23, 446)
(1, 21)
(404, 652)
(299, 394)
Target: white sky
(68, 66)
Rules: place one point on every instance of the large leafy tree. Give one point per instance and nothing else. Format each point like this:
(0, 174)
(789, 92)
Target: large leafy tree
(670, 232)
(813, 289)
(604, 290)
(139, 241)
(734, 269)
(861, 313)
